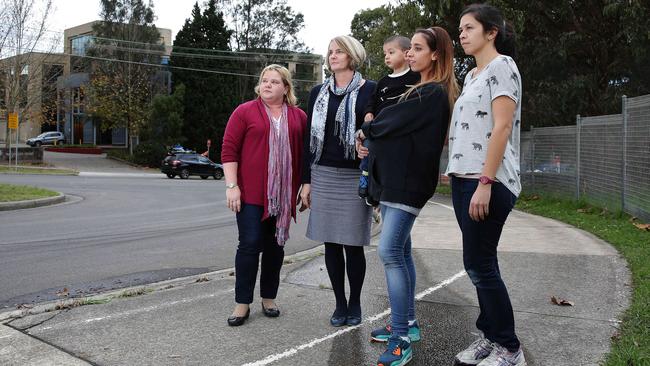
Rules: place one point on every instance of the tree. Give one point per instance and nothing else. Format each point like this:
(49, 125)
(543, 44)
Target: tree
(164, 128)
(267, 30)
(125, 52)
(26, 53)
(210, 98)
(266, 25)
(575, 57)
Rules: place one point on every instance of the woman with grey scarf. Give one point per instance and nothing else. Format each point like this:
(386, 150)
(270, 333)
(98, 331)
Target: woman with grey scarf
(330, 174)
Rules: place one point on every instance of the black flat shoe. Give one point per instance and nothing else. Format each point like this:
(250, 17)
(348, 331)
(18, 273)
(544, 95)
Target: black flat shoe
(235, 321)
(270, 312)
(353, 320)
(338, 319)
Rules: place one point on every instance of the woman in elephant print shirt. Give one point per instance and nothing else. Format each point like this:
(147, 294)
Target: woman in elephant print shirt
(473, 121)
(484, 171)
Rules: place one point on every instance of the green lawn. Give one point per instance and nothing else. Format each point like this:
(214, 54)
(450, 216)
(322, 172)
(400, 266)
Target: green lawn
(10, 192)
(631, 345)
(35, 170)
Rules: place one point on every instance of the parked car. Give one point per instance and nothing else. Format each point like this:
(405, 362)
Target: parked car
(190, 163)
(46, 138)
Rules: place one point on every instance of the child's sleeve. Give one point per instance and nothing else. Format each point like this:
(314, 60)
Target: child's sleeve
(371, 107)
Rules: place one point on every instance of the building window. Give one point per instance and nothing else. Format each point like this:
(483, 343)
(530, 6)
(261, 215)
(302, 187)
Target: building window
(80, 44)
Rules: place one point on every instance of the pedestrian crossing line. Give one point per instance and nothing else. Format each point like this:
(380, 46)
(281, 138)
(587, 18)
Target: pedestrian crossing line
(295, 350)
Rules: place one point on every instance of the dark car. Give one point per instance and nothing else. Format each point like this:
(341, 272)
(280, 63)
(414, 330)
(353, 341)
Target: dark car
(186, 164)
(46, 138)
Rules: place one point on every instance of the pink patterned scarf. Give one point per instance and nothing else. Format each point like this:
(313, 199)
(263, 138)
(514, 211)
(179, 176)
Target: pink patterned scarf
(280, 174)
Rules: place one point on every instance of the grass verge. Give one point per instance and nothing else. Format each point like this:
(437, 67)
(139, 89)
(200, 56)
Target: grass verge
(10, 193)
(30, 170)
(631, 344)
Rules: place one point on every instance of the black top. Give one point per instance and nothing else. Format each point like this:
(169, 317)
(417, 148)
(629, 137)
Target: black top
(389, 90)
(333, 153)
(405, 143)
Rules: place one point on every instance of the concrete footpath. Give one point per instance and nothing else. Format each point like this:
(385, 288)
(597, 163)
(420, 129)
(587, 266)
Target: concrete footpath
(183, 322)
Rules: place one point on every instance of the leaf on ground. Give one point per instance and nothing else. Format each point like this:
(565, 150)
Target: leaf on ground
(202, 279)
(645, 227)
(24, 306)
(63, 293)
(560, 302)
(582, 210)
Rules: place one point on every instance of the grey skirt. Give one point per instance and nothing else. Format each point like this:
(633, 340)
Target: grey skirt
(337, 213)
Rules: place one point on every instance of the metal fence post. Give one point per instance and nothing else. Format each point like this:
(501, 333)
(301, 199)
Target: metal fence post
(624, 165)
(578, 135)
(532, 155)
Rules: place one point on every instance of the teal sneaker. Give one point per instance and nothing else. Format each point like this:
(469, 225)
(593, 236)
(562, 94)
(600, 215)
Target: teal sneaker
(382, 334)
(398, 353)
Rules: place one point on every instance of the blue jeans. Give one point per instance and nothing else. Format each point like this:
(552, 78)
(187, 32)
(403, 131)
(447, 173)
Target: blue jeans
(480, 241)
(395, 252)
(255, 237)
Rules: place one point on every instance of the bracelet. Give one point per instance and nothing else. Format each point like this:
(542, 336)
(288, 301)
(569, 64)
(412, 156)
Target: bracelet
(231, 185)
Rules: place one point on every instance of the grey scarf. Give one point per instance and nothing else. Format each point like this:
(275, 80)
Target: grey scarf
(345, 116)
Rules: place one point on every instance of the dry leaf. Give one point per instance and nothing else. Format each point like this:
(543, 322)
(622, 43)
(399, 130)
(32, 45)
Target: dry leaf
(63, 293)
(645, 227)
(24, 306)
(560, 302)
(582, 210)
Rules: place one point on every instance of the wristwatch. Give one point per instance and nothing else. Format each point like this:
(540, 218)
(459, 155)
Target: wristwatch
(484, 179)
(231, 185)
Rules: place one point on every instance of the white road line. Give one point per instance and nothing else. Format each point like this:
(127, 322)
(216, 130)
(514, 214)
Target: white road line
(440, 204)
(133, 312)
(293, 351)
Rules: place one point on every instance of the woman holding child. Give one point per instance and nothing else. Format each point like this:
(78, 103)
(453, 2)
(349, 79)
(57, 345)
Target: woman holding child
(405, 143)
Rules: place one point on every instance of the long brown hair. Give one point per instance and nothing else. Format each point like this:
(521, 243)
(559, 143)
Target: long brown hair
(439, 42)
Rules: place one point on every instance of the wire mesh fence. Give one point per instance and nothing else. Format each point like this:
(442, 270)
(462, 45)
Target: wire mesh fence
(604, 160)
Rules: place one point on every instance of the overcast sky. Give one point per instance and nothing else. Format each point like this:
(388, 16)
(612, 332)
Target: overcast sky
(323, 19)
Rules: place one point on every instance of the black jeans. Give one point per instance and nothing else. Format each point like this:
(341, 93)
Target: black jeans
(480, 241)
(255, 237)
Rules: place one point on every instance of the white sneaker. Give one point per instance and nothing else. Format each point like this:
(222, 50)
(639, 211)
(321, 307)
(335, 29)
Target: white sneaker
(500, 356)
(476, 352)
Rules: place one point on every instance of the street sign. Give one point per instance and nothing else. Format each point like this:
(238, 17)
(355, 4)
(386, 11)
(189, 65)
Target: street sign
(13, 121)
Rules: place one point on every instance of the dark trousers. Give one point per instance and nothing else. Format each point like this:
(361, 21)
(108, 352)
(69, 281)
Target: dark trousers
(480, 241)
(255, 237)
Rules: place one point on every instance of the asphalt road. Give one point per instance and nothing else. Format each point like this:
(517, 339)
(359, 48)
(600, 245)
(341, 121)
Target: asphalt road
(117, 232)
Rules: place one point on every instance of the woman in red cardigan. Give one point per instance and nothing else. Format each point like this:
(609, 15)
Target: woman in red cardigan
(262, 160)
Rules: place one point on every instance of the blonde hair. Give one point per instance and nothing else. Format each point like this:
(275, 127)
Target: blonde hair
(439, 42)
(290, 96)
(351, 47)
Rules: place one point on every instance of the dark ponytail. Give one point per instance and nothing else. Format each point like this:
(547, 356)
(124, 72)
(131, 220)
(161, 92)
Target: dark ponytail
(491, 18)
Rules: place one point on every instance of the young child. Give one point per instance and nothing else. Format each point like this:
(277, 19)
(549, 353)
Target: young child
(388, 91)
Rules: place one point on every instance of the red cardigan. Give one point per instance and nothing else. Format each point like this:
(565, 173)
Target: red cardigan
(246, 142)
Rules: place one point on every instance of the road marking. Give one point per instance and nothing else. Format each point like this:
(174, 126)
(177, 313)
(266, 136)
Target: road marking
(295, 350)
(137, 311)
(440, 204)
